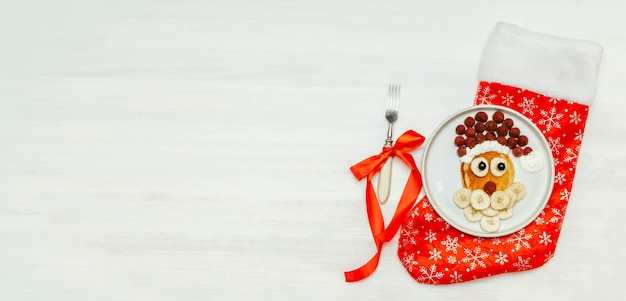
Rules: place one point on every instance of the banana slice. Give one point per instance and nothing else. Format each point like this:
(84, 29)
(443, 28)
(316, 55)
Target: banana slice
(462, 197)
(489, 212)
(505, 213)
(512, 197)
(490, 223)
(479, 199)
(472, 214)
(499, 200)
(519, 190)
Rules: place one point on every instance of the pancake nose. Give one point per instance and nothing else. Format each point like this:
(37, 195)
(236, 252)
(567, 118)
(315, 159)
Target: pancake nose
(490, 187)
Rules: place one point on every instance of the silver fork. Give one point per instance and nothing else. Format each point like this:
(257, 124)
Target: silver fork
(391, 114)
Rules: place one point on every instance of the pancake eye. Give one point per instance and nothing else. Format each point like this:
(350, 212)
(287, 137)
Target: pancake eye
(498, 167)
(480, 167)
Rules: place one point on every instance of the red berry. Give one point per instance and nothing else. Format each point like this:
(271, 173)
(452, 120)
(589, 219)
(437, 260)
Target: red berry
(527, 150)
(518, 152)
(481, 116)
(502, 131)
(522, 140)
(498, 116)
(459, 140)
(470, 142)
(471, 132)
(511, 142)
(491, 125)
(480, 138)
(508, 122)
(469, 121)
(514, 132)
(461, 151)
(480, 127)
(490, 187)
(460, 129)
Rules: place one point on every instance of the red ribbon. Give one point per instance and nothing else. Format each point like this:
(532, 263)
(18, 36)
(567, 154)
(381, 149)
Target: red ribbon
(407, 142)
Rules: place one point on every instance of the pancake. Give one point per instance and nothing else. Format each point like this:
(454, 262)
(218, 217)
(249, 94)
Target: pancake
(492, 171)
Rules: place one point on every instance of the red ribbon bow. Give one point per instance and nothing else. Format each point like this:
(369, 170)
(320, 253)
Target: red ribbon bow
(407, 142)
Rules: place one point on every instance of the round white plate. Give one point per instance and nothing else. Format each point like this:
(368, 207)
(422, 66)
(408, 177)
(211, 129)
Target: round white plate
(442, 176)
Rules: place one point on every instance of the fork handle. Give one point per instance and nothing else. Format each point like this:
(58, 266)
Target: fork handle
(384, 182)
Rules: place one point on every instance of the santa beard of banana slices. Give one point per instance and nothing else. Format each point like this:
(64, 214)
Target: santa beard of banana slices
(489, 193)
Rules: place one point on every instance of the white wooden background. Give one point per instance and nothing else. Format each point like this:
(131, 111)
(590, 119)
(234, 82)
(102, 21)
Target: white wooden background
(199, 150)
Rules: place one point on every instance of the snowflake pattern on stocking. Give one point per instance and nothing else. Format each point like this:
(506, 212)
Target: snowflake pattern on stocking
(555, 144)
(435, 253)
(451, 244)
(484, 96)
(551, 119)
(430, 275)
(522, 264)
(528, 106)
(475, 258)
(501, 258)
(520, 240)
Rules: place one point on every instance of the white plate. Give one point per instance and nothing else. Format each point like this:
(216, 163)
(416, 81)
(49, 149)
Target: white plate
(442, 177)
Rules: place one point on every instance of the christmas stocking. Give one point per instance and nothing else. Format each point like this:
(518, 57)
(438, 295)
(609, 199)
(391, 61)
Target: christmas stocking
(549, 80)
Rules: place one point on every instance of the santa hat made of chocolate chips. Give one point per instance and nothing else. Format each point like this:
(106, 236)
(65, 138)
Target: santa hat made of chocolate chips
(481, 133)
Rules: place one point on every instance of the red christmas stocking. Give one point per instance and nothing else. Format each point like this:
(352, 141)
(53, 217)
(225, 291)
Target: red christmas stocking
(549, 80)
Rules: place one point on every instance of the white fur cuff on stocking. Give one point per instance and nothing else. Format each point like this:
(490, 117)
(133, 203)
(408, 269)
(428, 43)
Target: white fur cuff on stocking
(554, 66)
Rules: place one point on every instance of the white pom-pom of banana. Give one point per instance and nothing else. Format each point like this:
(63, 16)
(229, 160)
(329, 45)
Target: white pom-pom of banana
(519, 190)
(499, 200)
(462, 197)
(490, 223)
(472, 214)
(479, 200)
